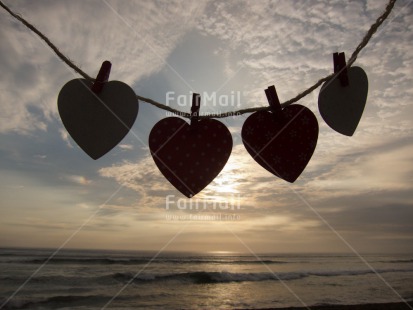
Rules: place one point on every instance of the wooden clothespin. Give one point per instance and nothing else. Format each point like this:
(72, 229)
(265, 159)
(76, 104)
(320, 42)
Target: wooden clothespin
(102, 77)
(196, 104)
(340, 68)
(273, 100)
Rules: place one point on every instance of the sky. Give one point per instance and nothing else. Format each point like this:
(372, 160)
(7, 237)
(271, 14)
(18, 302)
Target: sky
(355, 195)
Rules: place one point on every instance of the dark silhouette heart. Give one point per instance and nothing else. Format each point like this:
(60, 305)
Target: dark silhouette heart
(284, 143)
(342, 107)
(97, 122)
(190, 157)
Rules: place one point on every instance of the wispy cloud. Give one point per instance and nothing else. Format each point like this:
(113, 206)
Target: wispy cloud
(77, 179)
(127, 147)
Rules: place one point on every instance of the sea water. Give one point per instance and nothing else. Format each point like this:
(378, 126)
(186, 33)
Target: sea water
(80, 279)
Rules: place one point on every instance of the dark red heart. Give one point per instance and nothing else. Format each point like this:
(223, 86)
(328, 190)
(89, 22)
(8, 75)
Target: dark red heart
(97, 122)
(190, 157)
(283, 144)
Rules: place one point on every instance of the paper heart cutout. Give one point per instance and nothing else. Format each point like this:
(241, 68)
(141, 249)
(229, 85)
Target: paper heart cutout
(282, 144)
(97, 122)
(190, 158)
(342, 107)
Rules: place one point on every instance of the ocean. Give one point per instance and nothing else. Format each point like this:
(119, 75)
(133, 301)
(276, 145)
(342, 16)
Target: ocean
(83, 279)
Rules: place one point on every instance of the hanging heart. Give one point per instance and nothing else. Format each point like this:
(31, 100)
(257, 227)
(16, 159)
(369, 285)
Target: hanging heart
(281, 142)
(342, 106)
(97, 122)
(190, 157)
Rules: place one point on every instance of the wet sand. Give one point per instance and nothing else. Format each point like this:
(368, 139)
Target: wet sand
(382, 306)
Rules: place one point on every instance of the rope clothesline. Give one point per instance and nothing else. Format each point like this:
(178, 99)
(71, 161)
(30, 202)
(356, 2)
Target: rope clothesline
(373, 28)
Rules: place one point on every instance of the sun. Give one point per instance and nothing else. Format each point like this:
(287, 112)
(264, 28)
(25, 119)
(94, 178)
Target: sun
(225, 184)
(227, 181)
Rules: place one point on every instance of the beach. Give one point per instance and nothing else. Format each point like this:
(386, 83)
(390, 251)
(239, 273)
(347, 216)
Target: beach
(382, 306)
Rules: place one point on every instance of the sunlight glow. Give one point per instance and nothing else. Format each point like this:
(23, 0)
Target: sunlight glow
(226, 183)
(222, 253)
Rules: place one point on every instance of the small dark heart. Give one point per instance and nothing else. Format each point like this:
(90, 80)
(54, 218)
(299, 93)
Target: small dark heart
(342, 106)
(97, 122)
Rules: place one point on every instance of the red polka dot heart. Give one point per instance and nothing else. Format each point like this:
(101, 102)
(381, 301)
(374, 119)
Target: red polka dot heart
(190, 157)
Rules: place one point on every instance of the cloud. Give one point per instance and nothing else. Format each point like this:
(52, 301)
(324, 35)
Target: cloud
(43, 224)
(126, 147)
(143, 178)
(65, 137)
(77, 179)
(364, 169)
